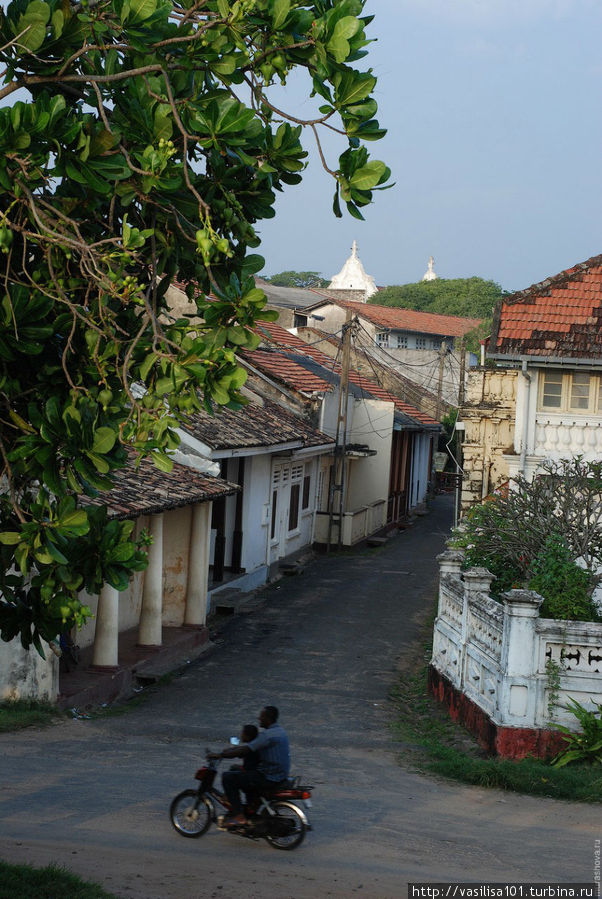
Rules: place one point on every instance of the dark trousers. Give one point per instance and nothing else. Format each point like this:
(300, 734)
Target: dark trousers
(247, 781)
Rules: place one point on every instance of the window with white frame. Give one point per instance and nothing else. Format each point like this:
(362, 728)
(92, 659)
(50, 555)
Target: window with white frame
(421, 343)
(382, 339)
(577, 391)
(402, 341)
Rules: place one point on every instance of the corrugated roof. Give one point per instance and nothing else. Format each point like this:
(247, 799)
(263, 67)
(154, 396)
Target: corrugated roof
(144, 490)
(560, 317)
(267, 425)
(289, 297)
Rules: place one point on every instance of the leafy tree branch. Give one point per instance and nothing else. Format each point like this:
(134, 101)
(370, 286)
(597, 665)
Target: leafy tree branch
(148, 148)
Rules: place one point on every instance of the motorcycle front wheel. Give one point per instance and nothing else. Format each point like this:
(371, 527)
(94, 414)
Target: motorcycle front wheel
(191, 814)
(287, 826)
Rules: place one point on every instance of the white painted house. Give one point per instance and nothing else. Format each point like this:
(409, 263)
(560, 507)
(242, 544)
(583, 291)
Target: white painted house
(274, 456)
(175, 509)
(543, 400)
(423, 346)
(387, 446)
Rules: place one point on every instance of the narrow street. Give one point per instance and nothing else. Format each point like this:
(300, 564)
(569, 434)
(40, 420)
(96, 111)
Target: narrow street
(324, 646)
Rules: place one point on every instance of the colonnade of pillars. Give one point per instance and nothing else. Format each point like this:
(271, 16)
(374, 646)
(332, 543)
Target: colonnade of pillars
(106, 637)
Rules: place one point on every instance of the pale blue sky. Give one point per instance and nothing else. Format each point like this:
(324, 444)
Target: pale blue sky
(495, 131)
(493, 110)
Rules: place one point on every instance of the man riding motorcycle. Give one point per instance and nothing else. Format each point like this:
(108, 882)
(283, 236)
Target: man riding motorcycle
(272, 769)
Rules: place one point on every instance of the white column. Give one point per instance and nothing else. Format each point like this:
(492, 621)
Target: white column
(195, 613)
(450, 561)
(519, 657)
(150, 630)
(476, 581)
(106, 635)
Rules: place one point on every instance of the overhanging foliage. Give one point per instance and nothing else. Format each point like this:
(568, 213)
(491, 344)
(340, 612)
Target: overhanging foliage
(147, 146)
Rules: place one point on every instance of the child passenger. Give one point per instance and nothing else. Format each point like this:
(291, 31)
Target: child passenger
(251, 759)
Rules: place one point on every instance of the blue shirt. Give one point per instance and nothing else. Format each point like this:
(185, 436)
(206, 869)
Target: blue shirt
(274, 753)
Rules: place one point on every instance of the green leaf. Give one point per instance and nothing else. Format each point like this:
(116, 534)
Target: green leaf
(55, 553)
(354, 211)
(58, 104)
(237, 335)
(99, 462)
(34, 19)
(339, 44)
(122, 553)
(369, 175)
(44, 557)
(104, 440)
(147, 365)
(141, 10)
(220, 395)
(163, 122)
(21, 554)
(58, 20)
(74, 523)
(353, 87)
(117, 578)
(280, 11)
(163, 386)
(347, 27)
(233, 117)
(225, 66)
(9, 538)
(162, 461)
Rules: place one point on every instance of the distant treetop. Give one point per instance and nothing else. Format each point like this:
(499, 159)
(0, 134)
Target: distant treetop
(469, 297)
(298, 279)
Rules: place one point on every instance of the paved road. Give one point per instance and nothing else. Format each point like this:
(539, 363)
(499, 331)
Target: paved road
(324, 646)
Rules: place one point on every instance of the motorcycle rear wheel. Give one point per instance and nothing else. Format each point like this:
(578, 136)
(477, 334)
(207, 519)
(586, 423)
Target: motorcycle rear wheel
(290, 812)
(190, 814)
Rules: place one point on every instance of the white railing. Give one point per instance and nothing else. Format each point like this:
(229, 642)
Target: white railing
(357, 524)
(559, 435)
(518, 668)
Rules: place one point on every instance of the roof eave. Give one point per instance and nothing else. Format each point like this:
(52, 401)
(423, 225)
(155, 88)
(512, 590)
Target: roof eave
(535, 359)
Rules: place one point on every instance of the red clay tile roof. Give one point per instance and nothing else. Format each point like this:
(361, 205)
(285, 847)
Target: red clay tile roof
(560, 317)
(255, 425)
(399, 319)
(145, 490)
(320, 337)
(283, 369)
(284, 339)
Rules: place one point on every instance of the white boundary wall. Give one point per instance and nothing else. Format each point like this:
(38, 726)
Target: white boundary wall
(498, 654)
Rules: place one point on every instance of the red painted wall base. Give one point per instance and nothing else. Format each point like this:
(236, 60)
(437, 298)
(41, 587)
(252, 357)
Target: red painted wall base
(506, 742)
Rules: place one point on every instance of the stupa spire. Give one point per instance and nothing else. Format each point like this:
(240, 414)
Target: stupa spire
(353, 276)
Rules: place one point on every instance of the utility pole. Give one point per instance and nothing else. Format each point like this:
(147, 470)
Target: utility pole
(461, 385)
(337, 484)
(442, 354)
(458, 445)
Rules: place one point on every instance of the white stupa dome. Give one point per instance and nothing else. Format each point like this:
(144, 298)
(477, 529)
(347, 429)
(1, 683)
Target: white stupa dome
(430, 274)
(353, 276)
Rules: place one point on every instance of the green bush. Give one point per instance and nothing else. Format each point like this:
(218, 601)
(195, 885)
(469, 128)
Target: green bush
(544, 534)
(585, 746)
(565, 586)
(508, 570)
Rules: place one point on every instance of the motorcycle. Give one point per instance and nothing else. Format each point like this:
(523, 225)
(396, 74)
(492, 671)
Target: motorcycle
(274, 816)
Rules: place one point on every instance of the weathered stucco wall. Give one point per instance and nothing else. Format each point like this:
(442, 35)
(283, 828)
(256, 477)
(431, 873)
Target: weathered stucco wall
(488, 414)
(25, 675)
(495, 657)
(176, 548)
